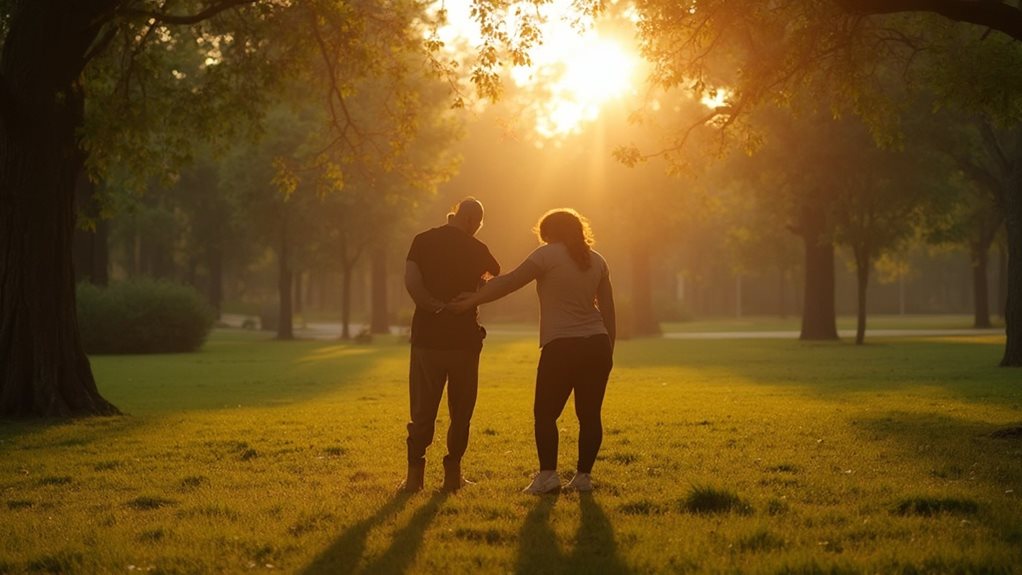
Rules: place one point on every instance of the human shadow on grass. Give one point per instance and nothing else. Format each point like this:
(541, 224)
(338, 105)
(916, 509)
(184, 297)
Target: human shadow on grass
(594, 550)
(343, 555)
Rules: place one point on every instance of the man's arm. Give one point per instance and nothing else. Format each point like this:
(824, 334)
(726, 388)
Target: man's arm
(605, 301)
(417, 289)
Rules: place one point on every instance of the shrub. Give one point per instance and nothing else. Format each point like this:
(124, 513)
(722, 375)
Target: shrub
(142, 316)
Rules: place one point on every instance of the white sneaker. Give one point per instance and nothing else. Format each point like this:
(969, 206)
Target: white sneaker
(581, 482)
(544, 482)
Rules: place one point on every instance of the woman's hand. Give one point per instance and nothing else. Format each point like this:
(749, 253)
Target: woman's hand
(464, 302)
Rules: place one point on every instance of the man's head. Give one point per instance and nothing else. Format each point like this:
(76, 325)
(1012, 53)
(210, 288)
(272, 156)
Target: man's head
(467, 216)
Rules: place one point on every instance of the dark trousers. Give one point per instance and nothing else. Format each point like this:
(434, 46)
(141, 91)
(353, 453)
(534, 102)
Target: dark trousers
(582, 365)
(430, 370)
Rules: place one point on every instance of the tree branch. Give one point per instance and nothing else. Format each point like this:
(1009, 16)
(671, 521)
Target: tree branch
(187, 19)
(998, 16)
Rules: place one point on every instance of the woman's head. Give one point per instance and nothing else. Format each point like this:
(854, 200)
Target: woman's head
(566, 226)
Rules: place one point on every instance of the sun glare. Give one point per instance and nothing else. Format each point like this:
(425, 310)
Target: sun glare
(575, 72)
(577, 76)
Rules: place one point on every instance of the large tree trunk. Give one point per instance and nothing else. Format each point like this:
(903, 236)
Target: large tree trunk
(44, 371)
(978, 258)
(862, 264)
(1013, 308)
(643, 318)
(380, 316)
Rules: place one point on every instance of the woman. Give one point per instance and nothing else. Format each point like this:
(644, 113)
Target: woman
(576, 334)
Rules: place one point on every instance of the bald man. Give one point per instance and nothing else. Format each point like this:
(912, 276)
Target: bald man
(442, 263)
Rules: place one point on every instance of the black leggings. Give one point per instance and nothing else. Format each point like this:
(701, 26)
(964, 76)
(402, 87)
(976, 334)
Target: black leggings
(581, 364)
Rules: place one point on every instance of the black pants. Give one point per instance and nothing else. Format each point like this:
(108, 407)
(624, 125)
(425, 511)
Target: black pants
(430, 370)
(581, 364)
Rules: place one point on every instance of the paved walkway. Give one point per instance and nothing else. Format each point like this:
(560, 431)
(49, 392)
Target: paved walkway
(332, 330)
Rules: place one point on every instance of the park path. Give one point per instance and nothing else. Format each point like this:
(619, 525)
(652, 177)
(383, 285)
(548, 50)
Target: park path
(332, 330)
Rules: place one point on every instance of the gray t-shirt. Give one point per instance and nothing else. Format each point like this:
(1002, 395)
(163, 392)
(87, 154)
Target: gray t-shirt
(567, 294)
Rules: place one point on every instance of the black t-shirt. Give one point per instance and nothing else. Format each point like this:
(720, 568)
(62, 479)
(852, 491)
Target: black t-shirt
(451, 262)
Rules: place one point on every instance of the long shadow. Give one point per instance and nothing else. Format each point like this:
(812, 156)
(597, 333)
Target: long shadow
(537, 544)
(406, 542)
(344, 553)
(595, 549)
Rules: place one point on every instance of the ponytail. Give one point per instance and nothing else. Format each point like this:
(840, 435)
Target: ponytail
(570, 228)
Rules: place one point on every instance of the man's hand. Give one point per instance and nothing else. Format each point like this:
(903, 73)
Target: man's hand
(463, 303)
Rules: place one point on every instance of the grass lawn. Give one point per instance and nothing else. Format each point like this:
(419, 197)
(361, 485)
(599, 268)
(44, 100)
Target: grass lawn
(740, 456)
(845, 322)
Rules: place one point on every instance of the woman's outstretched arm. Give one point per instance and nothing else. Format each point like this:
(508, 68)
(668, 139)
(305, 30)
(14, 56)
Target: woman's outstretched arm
(497, 288)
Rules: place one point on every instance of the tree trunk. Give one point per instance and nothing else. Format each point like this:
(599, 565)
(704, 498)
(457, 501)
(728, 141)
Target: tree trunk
(862, 264)
(380, 320)
(819, 321)
(285, 317)
(643, 318)
(44, 371)
(1013, 307)
(978, 258)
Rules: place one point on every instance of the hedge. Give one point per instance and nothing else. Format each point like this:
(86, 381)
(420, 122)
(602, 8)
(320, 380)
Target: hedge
(142, 316)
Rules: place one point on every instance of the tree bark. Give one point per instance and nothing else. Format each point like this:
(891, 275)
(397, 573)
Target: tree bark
(380, 316)
(978, 259)
(44, 371)
(644, 321)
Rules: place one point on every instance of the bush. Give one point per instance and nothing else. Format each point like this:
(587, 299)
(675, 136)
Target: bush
(142, 316)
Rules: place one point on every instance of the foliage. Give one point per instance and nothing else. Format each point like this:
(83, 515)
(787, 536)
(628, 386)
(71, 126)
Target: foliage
(142, 316)
(824, 442)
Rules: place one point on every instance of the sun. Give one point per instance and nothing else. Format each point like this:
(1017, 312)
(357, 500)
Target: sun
(577, 76)
(575, 72)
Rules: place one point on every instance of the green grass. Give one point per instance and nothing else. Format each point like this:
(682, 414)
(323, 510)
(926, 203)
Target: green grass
(735, 456)
(792, 323)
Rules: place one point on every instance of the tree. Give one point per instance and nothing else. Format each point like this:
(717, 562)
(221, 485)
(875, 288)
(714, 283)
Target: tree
(95, 82)
(878, 204)
(762, 53)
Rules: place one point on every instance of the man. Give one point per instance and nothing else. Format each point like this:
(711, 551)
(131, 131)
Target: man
(442, 263)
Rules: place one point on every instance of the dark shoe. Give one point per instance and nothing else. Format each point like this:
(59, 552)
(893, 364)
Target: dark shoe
(415, 479)
(453, 479)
